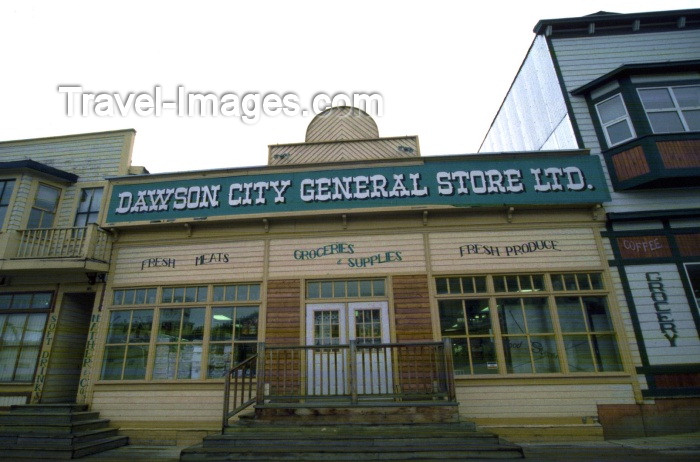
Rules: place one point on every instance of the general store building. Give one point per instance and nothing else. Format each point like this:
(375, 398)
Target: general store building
(346, 263)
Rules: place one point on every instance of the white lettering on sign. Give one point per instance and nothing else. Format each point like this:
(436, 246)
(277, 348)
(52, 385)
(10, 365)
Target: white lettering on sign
(194, 197)
(358, 187)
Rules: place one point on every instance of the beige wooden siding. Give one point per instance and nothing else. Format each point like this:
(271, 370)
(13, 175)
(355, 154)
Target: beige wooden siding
(245, 263)
(359, 255)
(576, 249)
(161, 405)
(90, 157)
(358, 150)
(538, 401)
(629, 334)
(63, 373)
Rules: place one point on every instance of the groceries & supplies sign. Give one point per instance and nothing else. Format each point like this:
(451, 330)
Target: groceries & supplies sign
(463, 183)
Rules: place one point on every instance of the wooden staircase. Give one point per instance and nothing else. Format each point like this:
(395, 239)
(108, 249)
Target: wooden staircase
(55, 431)
(311, 434)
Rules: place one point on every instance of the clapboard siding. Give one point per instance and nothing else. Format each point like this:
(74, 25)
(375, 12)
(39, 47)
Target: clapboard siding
(316, 153)
(539, 400)
(576, 249)
(409, 247)
(584, 59)
(92, 157)
(63, 373)
(245, 263)
(412, 308)
(283, 324)
(629, 335)
(160, 404)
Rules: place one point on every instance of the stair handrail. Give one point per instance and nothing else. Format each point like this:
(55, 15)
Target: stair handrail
(242, 375)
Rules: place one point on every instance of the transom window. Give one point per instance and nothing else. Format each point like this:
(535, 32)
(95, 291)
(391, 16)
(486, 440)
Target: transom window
(672, 109)
(43, 210)
(183, 332)
(22, 321)
(350, 288)
(615, 120)
(6, 187)
(526, 324)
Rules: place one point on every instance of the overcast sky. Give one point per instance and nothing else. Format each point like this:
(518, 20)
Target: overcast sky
(442, 68)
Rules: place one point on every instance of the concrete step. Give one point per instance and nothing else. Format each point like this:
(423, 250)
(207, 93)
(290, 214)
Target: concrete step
(334, 452)
(39, 418)
(30, 452)
(52, 428)
(65, 440)
(66, 408)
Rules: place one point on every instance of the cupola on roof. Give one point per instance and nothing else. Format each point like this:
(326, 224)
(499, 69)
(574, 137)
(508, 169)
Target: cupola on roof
(340, 124)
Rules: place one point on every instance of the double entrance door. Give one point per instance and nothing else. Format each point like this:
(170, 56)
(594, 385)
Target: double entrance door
(329, 329)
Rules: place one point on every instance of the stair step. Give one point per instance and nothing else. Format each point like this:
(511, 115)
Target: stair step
(267, 440)
(48, 408)
(74, 452)
(332, 452)
(26, 418)
(56, 440)
(51, 428)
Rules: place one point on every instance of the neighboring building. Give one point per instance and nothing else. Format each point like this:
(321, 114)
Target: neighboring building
(53, 258)
(627, 88)
(350, 245)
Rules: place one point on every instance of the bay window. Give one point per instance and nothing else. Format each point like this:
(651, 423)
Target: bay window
(672, 109)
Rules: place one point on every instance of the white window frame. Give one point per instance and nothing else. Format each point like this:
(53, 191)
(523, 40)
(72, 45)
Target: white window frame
(625, 117)
(676, 106)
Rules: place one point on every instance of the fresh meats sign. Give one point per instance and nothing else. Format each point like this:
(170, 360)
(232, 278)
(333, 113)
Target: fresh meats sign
(551, 180)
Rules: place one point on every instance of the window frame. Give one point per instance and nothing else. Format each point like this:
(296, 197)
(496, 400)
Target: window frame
(134, 298)
(677, 109)
(27, 311)
(6, 197)
(42, 211)
(557, 335)
(91, 203)
(626, 117)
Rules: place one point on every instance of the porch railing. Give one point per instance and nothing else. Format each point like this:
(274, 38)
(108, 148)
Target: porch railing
(82, 242)
(342, 375)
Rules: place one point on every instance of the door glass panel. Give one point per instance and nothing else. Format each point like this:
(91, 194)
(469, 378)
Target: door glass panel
(367, 327)
(326, 328)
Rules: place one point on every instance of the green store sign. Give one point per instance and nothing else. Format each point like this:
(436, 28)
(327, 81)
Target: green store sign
(457, 183)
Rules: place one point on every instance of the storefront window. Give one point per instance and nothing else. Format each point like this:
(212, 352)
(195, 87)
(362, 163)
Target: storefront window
(128, 337)
(22, 321)
(204, 340)
(556, 323)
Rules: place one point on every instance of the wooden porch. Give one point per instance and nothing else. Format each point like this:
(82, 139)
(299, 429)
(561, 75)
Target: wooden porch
(413, 378)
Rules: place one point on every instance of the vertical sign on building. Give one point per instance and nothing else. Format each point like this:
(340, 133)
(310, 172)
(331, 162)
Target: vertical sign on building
(665, 319)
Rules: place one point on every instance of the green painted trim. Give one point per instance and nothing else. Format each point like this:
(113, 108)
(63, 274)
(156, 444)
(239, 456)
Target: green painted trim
(670, 369)
(565, 94)
(342, 188)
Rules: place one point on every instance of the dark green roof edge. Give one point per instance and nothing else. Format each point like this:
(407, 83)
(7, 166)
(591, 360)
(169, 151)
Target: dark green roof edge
(625, 69)
(39, 167)
(605, 18)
